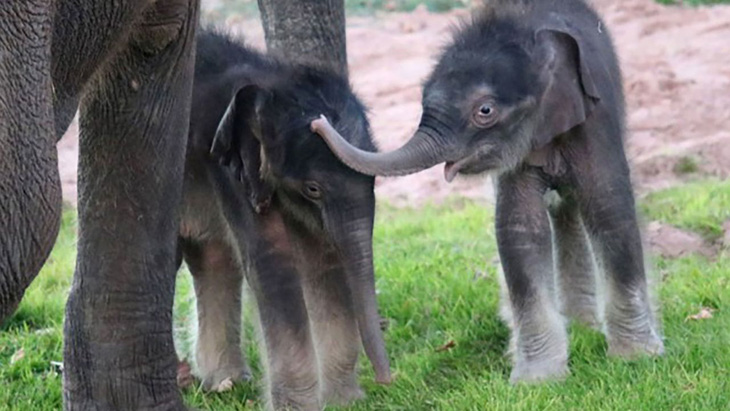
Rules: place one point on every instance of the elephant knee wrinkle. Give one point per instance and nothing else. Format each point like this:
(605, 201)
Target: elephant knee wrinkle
(161, 25)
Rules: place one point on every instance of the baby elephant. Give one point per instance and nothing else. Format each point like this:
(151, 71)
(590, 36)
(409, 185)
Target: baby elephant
(531, 92)
(273, 204)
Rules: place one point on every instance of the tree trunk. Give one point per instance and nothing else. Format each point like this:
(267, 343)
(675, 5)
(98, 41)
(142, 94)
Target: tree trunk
(306, 31)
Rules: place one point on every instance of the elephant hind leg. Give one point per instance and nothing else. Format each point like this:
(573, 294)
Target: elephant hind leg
(218, 280)
(576, 276)
(30, 189)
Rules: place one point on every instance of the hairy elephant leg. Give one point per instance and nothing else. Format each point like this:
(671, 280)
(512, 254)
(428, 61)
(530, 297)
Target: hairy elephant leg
(540, 341)
(334, 325)
(119, 351)
(607, 206)
(576, 277)
(218, 279)
(30, 190)
(290, 356)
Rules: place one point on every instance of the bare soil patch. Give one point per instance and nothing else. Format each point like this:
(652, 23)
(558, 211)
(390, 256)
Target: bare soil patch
(672, 242)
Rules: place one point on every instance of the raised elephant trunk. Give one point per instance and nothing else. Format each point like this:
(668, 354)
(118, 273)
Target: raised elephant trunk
(419, 153)
(355, 244)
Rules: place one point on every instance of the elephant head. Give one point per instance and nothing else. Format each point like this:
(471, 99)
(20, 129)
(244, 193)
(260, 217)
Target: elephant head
(499, 93)
(265, 137)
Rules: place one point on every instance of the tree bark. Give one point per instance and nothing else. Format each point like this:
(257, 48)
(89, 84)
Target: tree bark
(306, 31)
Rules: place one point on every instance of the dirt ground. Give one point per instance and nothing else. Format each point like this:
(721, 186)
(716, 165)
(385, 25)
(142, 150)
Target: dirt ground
(676, 64)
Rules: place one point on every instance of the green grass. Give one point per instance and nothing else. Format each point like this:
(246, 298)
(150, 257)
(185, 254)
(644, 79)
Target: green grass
(686, 165)
(700, 206)
(436, 279)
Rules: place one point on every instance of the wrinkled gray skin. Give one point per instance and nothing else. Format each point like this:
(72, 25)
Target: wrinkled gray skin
(128, 66)
(530, 91)
(299, 228)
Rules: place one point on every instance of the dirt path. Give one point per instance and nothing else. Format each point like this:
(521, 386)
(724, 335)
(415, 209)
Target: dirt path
(676, 63)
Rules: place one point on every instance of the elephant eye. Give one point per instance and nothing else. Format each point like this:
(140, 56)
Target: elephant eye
(485, 115)
(312, 190)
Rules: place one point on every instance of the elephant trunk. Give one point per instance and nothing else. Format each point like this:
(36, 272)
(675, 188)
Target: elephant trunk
(355, 244)
(419, 153)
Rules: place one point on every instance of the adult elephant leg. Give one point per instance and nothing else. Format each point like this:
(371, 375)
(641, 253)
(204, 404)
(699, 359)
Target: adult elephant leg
(576, 277)
(291, 359)
(334, 325)
(218, 279)
(118, 351)
(30, 190)
(306, 31)
(540, 341)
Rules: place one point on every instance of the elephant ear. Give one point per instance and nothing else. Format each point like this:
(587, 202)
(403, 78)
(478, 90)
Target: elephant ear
(570, 90)
(244, 142)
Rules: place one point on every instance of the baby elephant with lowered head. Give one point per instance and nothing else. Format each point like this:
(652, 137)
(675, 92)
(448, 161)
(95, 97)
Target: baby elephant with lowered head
(273, 205)
(530, 91)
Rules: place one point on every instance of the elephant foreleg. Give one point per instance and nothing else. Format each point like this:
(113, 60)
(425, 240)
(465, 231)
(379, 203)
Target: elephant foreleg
(290, 354)
(334, 325)
(524, 239)
(607, 207)
(118, 351)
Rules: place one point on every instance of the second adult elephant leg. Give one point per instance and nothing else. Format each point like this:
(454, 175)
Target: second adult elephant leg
(30, 189)
(576, 277)
(119, 351)
(525, 248)
(218, 279)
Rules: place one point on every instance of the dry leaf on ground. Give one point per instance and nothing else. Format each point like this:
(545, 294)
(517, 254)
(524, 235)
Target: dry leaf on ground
(704, 314)
(17, 356)
(449, 345)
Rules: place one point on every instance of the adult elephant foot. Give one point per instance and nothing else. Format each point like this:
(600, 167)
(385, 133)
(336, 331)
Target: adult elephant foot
(123, 369)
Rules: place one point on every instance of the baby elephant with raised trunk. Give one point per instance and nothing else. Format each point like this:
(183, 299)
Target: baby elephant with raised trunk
(531, 92)
(274, 205)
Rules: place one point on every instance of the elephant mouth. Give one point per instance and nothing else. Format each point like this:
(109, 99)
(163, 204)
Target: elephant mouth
(474, 163)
